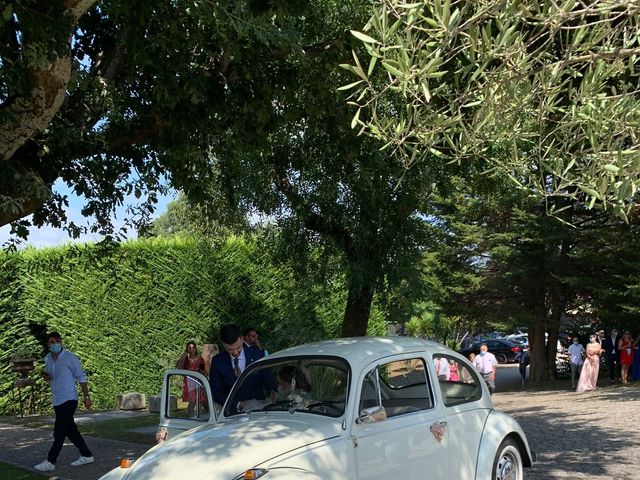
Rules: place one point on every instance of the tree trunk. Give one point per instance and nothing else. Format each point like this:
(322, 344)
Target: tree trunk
(553, 328)
(358, 309)
(536, 304)
(537, 351)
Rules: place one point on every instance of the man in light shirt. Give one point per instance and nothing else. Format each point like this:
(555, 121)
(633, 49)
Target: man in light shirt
(442, 368)
(576, 355)
(63, 371)
(485, 362)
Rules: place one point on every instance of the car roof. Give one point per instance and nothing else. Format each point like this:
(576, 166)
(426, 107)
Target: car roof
(360, 351)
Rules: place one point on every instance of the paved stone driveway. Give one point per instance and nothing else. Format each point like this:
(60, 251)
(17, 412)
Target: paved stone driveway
(593, 435)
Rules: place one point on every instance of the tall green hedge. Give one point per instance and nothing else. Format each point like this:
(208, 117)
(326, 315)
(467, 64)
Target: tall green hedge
(128, 312)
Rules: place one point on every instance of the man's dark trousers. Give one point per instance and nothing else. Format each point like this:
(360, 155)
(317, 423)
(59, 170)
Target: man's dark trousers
(65, 426)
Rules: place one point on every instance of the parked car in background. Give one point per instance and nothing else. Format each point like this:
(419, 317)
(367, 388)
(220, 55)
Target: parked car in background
(374, 408)
(506, 351)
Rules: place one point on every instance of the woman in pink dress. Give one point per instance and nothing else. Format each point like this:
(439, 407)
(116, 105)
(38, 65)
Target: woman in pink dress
(190, 360)
(589, 375)
(625, 347)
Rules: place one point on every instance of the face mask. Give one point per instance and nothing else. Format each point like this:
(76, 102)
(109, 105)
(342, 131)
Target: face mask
(575, 342)
(55, 347)
(482, 353)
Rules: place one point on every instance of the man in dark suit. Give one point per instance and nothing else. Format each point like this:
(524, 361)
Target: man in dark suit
(610, 346)
(227, 366)
(251, 340)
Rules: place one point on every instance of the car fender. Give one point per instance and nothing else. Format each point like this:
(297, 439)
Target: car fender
(497, 427)
(115, 474)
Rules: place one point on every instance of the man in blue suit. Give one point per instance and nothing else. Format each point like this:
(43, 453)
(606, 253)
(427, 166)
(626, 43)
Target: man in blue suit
(227, 366)
(610, 346)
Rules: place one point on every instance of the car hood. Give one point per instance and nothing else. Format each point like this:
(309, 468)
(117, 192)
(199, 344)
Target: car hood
(225, 450)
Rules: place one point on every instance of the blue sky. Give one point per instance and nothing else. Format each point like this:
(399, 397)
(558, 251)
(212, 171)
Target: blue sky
(49, 236)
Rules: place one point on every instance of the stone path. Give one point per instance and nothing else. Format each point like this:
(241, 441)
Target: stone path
(593, 435)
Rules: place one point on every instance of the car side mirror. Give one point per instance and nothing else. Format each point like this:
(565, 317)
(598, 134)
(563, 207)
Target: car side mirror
(373, 414)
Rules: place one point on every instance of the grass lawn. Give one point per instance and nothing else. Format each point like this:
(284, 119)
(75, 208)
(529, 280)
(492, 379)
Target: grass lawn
(120, 429)
(113, 429)
(14, 473)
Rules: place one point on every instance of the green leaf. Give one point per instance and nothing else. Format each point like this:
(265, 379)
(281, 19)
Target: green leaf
(362, 37)
(351, 85)
(589, 191)
(392, 69)
(354, 120)
(372, 64)
(409, 6)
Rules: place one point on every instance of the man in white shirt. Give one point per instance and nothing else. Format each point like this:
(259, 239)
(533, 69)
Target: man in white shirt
(62, 371)
(442, 368)
(576, 355)
(485, 362)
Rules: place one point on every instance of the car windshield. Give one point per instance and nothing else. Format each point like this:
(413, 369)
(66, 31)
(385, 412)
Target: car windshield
(317, 385)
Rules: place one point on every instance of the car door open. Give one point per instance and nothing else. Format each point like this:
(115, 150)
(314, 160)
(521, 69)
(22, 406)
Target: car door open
(186, 403)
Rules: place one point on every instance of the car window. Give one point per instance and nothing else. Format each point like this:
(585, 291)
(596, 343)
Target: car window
(493, 344)
(317, 385)
(459, 382)
(186, 398)
(401, 387)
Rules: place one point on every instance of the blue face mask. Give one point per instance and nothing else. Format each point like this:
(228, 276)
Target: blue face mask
(482, 353)
(55, 347)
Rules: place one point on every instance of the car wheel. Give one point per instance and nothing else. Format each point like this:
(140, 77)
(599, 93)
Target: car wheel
(508, 462)
(501, 358)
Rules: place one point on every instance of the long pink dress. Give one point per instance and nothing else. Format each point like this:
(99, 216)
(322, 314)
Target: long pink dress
(589, 375)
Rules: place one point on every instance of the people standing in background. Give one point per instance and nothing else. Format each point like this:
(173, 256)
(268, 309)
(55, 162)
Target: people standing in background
(190, 360)
(63, 371)
(576, 357)
(486, 363)
(610, 346)
(209, 350)
(625, 347)
(523, 361)
(635, 368)
(251, 340)
(454, 374)
(443, 370)
(589, 374)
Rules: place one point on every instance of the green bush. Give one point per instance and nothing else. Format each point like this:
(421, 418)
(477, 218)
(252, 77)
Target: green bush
(129, 311)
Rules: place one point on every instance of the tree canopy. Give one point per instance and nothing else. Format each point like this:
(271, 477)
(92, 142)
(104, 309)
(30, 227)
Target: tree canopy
(545, 92)
(124, 97)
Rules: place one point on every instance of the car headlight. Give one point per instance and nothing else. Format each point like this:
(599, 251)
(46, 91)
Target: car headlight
(252, 474)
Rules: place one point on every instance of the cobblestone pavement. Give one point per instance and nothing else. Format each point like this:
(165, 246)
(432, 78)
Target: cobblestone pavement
(592, 435)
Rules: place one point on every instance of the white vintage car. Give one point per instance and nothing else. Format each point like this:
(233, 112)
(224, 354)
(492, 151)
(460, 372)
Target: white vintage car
(355, 408)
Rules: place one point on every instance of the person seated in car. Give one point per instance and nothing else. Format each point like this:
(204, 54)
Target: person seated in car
(292, 384)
